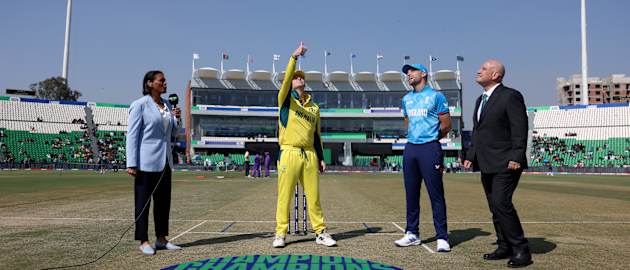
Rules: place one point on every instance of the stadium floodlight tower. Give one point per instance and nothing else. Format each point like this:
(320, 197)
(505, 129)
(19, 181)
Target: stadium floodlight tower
(584, 56)
(66, 47)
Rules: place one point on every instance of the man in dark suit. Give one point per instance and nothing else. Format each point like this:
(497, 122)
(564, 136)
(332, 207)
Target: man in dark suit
(499, 141)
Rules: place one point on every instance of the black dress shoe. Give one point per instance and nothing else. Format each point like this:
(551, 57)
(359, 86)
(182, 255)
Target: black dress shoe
(520, 260)
(496, 255)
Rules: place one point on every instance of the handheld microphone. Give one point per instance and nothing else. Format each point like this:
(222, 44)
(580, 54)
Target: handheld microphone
(173, 99)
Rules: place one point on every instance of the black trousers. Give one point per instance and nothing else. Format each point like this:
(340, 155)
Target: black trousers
(499, 188)
(144, 184)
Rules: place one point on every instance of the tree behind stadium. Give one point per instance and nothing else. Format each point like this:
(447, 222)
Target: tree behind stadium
(55, 88)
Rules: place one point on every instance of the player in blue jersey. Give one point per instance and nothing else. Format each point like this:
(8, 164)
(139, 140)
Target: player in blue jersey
(427, 119)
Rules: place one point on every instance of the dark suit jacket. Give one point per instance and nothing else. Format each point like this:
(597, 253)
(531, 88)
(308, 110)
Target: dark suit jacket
(500, 134)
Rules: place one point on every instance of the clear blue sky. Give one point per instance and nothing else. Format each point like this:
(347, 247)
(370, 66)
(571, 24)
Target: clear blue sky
(114, 42)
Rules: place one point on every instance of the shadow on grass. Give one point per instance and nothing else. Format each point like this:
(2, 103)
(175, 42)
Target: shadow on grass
(269, 235)
(341, 235)
(538, 245)
(457, 237)
(227, 239)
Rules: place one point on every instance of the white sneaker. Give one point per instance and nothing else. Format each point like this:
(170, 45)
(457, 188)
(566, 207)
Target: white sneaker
(409, 239)
(168, 246)
(443, 246)
(148, 250)
(325, 239)
(278, 242)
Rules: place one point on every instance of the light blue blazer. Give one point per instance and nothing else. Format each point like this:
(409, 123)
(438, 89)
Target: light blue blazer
(148, 143)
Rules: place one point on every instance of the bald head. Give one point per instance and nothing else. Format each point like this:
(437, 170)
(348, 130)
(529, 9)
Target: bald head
(497, 67)
(490, 73)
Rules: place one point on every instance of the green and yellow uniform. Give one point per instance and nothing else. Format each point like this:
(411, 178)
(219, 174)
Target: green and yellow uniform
(300, 152)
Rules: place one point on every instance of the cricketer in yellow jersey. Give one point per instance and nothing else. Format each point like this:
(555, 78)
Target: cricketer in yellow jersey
(301, 155)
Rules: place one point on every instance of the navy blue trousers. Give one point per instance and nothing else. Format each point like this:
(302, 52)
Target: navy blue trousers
(144, 184)
(425, 161)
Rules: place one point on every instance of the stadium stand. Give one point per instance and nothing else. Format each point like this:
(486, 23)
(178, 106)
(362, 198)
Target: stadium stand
(362, 107)
(27, 147)
(111, 128)
(211, 78)
(367, 81)
(35, 130)
(208, 78)
(217, 158)
(315, 81)
(278, 79)
(445, 79)
(364, 161)
(394, 81)
(111, 145)
(575, 136)
(236, 78)
(40, 127)
(213, 158)
(340, 81)
(262, 80)
(110, 115)
(43, 112)
(588, 117)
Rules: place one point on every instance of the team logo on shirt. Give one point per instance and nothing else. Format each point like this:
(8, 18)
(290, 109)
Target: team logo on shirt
(305, 116)
(438, 167)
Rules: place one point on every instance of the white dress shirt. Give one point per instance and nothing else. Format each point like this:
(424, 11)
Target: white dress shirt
(488, 93)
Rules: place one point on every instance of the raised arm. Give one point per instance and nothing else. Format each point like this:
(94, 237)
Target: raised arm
(288, 74)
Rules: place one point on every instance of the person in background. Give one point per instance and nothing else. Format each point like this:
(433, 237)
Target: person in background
(247, 164)
(257, 165)
(267, 163)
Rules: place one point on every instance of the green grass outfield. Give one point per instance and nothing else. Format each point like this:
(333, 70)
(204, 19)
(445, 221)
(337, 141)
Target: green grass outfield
(50, 219)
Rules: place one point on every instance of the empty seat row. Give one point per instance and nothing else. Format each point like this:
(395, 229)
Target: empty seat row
(44, 112)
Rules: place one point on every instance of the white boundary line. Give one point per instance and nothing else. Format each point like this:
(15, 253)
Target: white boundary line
(397, 226)
(427, 248)
(422, 244)
(186, 231)
(330, 222)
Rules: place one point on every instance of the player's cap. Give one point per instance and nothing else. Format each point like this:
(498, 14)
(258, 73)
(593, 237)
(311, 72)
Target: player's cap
(420, 67)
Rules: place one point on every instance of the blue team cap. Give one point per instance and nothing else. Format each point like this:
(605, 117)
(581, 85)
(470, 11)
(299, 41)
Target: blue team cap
(420, 67)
